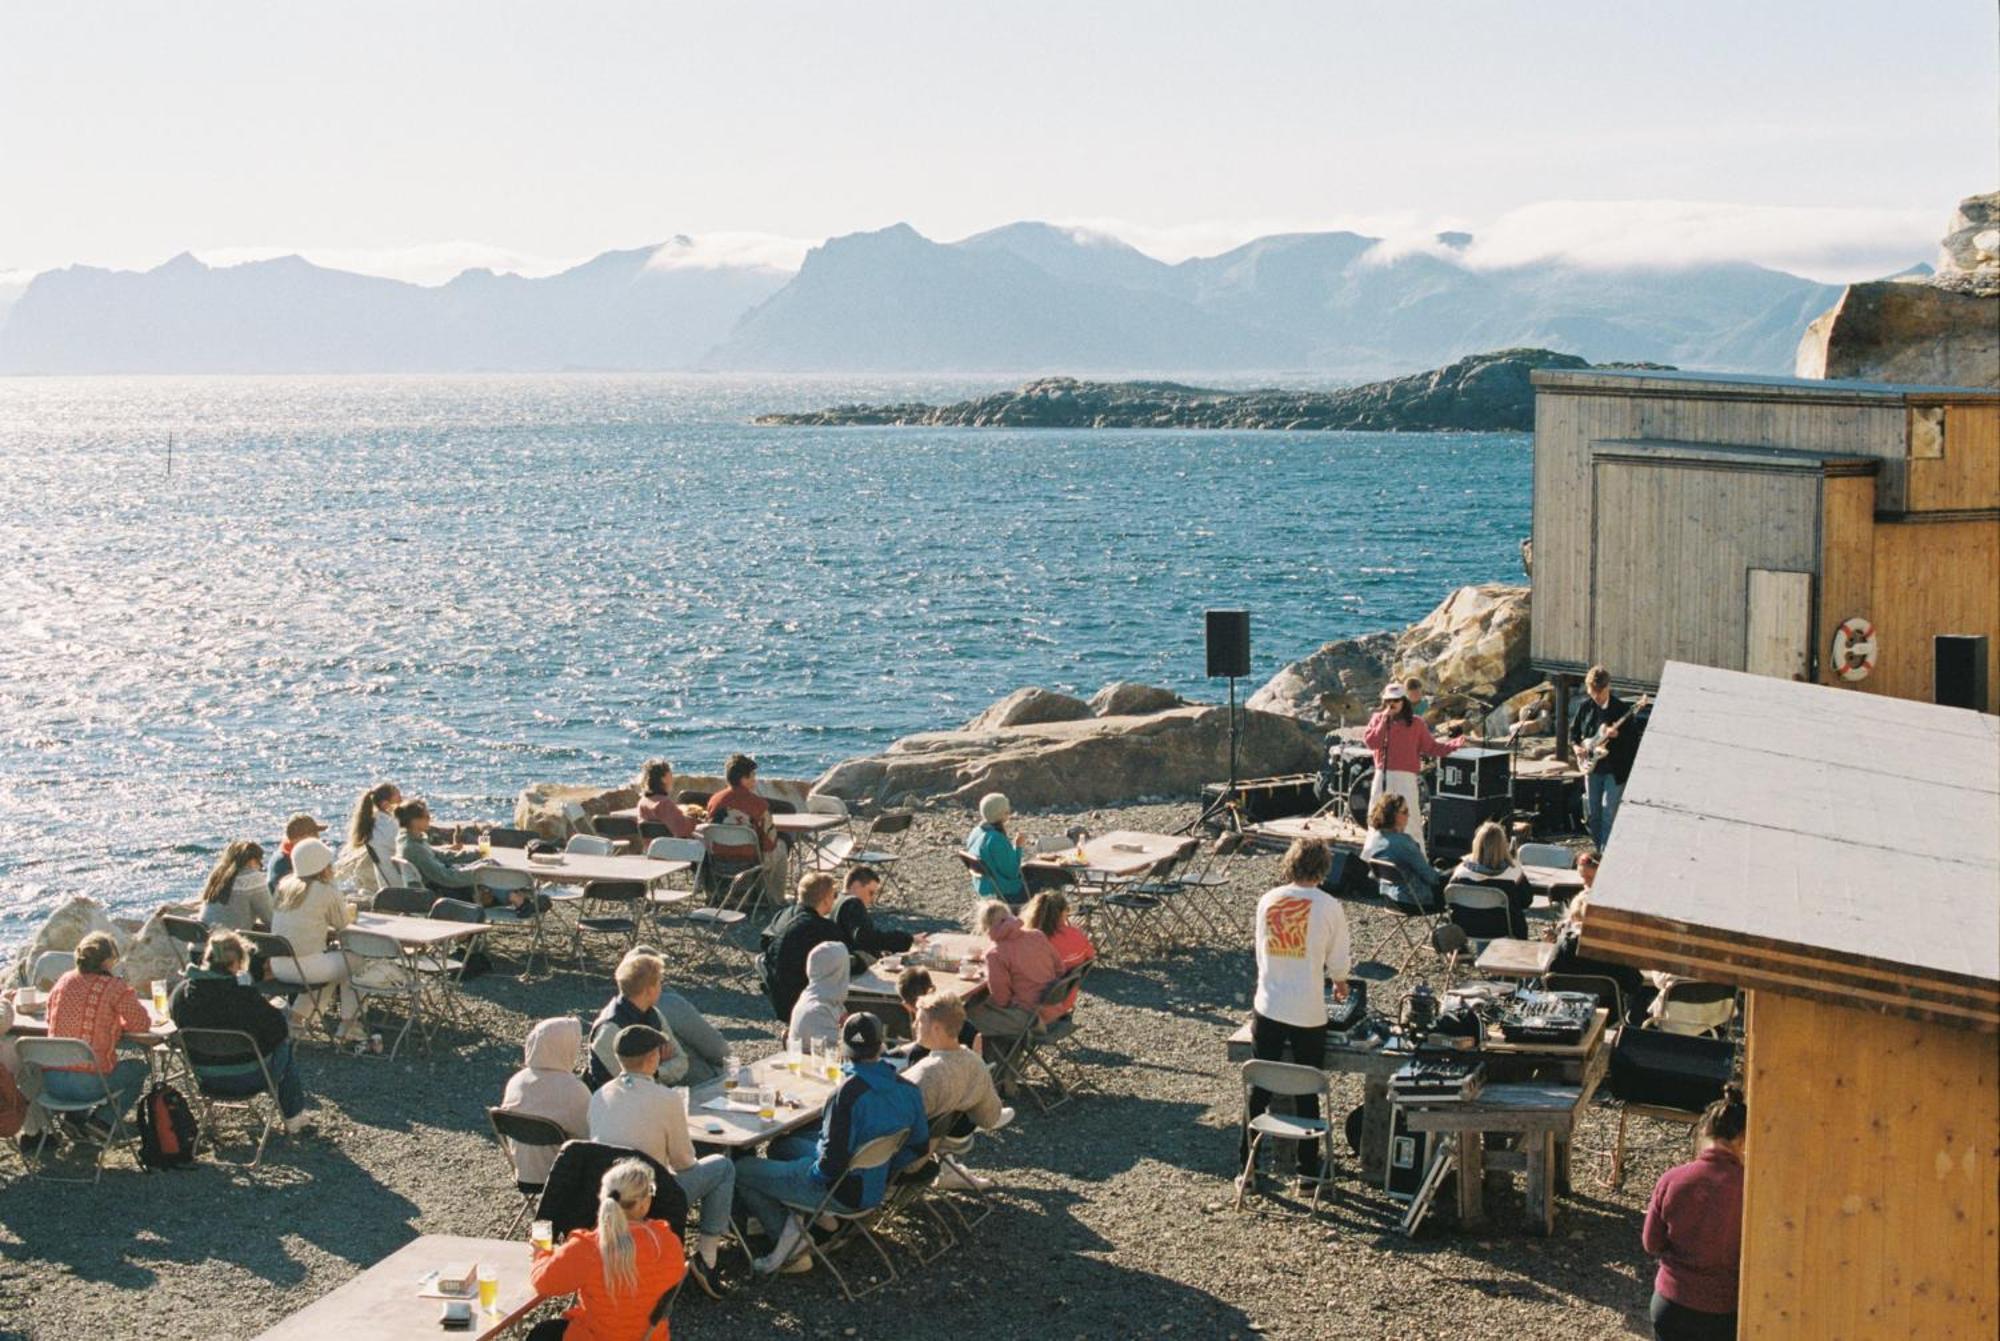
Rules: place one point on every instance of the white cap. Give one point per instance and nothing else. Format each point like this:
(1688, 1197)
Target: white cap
(311, 857)
(1393, 691)
(993, 807)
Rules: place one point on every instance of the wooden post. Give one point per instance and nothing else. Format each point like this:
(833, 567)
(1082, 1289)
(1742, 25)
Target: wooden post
(1563, 751)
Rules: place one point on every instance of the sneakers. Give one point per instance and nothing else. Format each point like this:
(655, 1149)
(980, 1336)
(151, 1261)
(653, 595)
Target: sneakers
(1006, 1117)
(957, 1179)
(352, 1032)
(707, 1278)
(302, 1125)
(780, 1256)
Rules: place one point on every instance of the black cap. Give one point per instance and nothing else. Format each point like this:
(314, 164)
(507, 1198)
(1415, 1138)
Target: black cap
(861, 1036)
(636, 1040)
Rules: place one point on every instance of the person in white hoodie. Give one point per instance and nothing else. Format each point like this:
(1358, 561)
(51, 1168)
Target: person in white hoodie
(816, 1015)
(235, 897)
(310, 913)
(373, 827)
(547, 1086)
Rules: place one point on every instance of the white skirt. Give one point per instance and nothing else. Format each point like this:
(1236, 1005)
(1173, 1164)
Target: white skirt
(1405, 786)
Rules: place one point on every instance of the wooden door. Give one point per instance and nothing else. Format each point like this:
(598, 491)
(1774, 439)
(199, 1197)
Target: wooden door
(1778, 629)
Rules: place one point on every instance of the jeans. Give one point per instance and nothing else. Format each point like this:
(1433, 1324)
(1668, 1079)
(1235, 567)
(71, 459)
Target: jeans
(234, 1083)
(710, 1184)
(1269, 1042)
(1604, 792)
(125, 1080)
(764, 1186)
(1676, 1322)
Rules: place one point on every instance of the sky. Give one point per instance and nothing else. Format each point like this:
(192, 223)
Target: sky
(1829, 138)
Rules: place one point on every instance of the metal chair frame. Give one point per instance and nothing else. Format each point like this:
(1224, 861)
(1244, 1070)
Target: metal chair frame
(528, 1130)
(61, 1054)
(1287, 1079)
(873, 1155)
(363, 949)
(271, 946)
(210, 1101)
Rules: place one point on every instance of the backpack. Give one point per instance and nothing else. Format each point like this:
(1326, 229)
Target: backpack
(13, 1106)
(167, 1130)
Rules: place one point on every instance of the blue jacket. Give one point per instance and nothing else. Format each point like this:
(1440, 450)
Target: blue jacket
(1002, 860)
(872, 1101)
(1421, 881)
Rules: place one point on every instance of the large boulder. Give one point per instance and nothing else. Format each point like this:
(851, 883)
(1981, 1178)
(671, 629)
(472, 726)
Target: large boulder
(1096, 761)
(76, 918)
(1028, 707)
(1471, 651)
(1126, 698)
(544, 807)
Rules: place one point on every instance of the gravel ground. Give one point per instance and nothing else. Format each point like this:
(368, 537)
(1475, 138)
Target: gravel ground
(1114, 1219)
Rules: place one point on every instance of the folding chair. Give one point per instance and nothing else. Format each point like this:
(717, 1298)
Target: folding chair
(874, 851)
(1482, 912)
(444, 965)
(410, 900)
(974, 868)
(1694, 1009)
(1287, 1079)
(1053, 1052)
(622, 829)
(1552, 855)
(721, 918)
(662, 899)
(406, 874)
(49, 966)
(612, 910)
(1201, 885)
(230, 1047)
(949, 1148)
(502, 920)
(1409, 921)
(269, 946)
(511, 1129)
(378, 970)
(57, 1054)
(188, 934)
(515, 838)
(1694, 1069)
(1136, 909)
(853, 1224)
(724, 870)
(912, 1189)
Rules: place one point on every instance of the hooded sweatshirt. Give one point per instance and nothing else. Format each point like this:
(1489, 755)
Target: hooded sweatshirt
(872, 1101)
(246, 908)
(547, 1087)
(817, 1013)
(1020, 967)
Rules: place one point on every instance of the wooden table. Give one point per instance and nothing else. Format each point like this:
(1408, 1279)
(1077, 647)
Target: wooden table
(1331, 829)
(1119, 855)
(574, 868)
(878, 984)
(744, 1130)
(382, 1304)
(1509, 958)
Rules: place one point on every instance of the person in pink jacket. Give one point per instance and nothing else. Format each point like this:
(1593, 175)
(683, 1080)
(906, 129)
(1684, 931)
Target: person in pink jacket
(1021, 966)
(1401, 741)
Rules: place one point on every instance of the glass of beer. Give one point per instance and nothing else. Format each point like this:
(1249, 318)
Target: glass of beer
(767, 1104)
(730, 1066)
(489, 1288)
(542, 1237)
(485, 843)
(159, 996)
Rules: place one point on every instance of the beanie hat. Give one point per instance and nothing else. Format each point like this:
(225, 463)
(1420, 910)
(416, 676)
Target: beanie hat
(993, 807)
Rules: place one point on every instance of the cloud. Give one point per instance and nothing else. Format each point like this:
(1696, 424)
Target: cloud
(716, 251)
(425, 263)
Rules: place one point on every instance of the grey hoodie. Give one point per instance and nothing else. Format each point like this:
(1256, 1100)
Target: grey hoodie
(816, 1016)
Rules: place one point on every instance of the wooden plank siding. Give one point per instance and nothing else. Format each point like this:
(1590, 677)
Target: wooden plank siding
(1967, 475)
(1870, 1204)
(1929, 578)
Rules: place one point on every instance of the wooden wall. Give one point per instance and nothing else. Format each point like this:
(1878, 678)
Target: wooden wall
(1675, 543)
(1871, 1194)
(1572, 411)
(1966, 474)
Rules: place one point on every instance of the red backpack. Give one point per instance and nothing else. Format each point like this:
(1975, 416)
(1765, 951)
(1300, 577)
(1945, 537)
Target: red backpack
(167, 1130)
(13, 1106)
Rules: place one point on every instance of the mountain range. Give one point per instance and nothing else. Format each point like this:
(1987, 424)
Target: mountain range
(1027, 297)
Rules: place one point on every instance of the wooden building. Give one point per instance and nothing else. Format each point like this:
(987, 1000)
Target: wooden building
(1837, 856)
(1739, 522)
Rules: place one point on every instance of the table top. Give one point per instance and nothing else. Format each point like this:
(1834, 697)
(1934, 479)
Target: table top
(35, 1024)
(575, 866)
(382, 1303)
(1344, 1057)
(1510, 958)
(1326, 828)
(879, 982)
(743, 1130)
(1513, 1106)
(1554, 879)
(415, 931)
(1121, 852)
(806, 822)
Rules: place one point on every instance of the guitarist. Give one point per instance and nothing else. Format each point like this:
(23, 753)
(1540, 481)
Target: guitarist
(1602, 719)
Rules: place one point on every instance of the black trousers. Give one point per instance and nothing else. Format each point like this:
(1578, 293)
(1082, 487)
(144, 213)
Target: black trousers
(1676, 1322)
(1272, 1041)
(551, 1329)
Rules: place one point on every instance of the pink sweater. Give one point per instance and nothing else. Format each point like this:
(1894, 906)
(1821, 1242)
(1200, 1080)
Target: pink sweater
(1020, 966)
(1402, 747)
(1694, 1225)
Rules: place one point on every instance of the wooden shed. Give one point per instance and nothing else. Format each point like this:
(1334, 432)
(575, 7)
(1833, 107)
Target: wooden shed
(1738, 522)
(1838, 857)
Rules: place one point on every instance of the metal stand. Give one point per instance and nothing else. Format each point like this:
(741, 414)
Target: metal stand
(1227, 796)
(1444, 1157)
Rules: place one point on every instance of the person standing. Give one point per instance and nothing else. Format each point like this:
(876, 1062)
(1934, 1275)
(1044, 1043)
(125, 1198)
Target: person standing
(1401, 741)
(1302, 945)
(1694, 1226)
(1602, 711)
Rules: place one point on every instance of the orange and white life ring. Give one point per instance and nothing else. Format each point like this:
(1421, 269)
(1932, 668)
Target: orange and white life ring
(1854, 648)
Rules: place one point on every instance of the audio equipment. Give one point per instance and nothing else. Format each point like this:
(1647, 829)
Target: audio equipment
(1561, 1018)
(1346, 764)
(1409, 1158)
(1651, 1066)
(1553, 804)
(1348, 876)
(1454, 819)
(1438, 1080)
(1228, 643)
(1474, 773)
(1958, 671)
(1260, 799)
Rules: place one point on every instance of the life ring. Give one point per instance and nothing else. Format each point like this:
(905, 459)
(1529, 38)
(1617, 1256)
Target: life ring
(1854, 648)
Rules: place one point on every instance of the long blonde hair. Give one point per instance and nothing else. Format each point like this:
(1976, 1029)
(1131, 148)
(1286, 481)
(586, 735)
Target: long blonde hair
(222, 877)
(1490, 848)
(292, 890)
(626, 1184)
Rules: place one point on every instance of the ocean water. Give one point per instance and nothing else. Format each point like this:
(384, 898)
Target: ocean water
(469, 584)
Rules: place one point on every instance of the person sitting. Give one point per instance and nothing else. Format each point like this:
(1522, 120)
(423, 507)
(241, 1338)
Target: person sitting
(220, 995)
(1694, 1226)
(1422, 887)
(309, 914)
(1491, 863)
(695, 1048)
(297, 829)
(371, 832)
(854, 914)
(236, 897)
(618, 1272)
(817, 1014)
(1638, 989)
(913, 984)
(547, 1086)
(954, 1081)
(872, 1101)
(438, 872)
(1021, 966)
(1048, 913)
(739, 803)
(93, 1003)
(790, 938)
(999, 854)
(635, 1112)
(656, 800)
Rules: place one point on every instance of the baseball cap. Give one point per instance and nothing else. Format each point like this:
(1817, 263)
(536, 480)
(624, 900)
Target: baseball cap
(302, 826)
(861, 1036)
(1392, 690)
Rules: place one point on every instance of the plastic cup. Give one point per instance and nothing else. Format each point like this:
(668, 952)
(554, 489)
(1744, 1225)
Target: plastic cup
(542, 1236)
(489, 1288)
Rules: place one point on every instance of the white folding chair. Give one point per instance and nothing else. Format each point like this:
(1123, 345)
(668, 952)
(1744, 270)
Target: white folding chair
(590, 845)
(710, 927)
(875, 848)
(1552, 855)
(49, 966)
(853, 1224)
(1481, 911)
(378, 971)
(1286, 1079)
(230, 1047)
(58, 1054)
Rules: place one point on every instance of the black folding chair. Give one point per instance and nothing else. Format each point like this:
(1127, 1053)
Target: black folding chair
(189, 935)
(536, 1133)
(405, 900)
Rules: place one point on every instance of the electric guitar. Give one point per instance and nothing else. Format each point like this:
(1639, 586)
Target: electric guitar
(1588, 753)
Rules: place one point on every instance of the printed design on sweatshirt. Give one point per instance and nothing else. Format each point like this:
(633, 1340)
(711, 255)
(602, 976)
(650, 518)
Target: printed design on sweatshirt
(1285, 924)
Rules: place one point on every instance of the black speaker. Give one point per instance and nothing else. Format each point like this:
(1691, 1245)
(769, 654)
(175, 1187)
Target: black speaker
(1454, 819)
(1958, 677)
(1228, 644)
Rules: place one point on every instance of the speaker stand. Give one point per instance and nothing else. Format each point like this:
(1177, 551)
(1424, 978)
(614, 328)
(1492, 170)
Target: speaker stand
(1225, 800)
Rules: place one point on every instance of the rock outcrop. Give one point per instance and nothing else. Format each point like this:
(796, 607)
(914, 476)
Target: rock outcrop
(1473, 646)
(143, 955)
(1030, 707)
(1486, 392)
(1124, 698)
(543, 807)
(1941, 329)
(1092, 761)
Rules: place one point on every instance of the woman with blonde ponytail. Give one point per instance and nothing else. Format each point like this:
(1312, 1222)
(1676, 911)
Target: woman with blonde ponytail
(619, 1271)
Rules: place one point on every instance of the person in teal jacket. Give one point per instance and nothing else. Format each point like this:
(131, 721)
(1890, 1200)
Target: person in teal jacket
(998, 853)
(438, 871)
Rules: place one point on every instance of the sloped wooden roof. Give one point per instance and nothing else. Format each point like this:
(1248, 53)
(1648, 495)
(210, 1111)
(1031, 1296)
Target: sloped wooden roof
(1810, 840)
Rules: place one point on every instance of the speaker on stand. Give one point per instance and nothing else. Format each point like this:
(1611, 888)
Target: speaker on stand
(1227, 637)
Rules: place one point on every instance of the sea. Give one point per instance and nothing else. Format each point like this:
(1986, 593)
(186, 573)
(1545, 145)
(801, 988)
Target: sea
(225, 599)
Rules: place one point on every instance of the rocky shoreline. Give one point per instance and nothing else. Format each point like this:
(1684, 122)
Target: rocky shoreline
(1481, 392)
